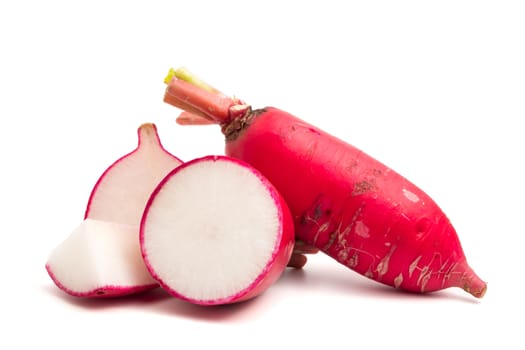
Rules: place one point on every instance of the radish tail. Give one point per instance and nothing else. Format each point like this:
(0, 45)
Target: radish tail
(464, 277)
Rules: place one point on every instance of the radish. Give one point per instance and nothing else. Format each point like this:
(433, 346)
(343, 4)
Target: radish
(215, 231)
(100, 259)
(122, 191)
(344, 202)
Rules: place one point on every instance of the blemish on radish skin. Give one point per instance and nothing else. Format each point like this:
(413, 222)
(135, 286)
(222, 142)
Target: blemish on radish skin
(351, 166)
(318, 212)
(362, 187)
(369, 272)
(410, 195)
(315, 131)
(342, 255)
(354, 219)
(426, 272)
(354, 260)
(422, 227)
(382, 267)
(413, 266)
(331, 240)
(450, 271)
(361, 229)
(320, 230)
(398, 280)
(376, 172)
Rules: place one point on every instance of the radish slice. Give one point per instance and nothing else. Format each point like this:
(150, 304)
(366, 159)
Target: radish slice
(122, 191)
(100, 259)
(215, 231)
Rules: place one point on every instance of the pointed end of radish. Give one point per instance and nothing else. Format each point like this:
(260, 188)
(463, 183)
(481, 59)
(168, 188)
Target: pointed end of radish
(469, 281)
(475, 286)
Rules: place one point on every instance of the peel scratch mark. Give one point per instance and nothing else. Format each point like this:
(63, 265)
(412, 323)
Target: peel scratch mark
(410, 196)
(442, 271)
(423, 277)
(320, 230)
(426, 272)
(398, 280)
(413, 266)
(447, 269)
(314, 220)
(425, 280)
(338, 235)
(361, 229)
(342, 255)
(331, 241)
(363, 187)
(369, 272)
(354, 260)
(449, 272)
(351, 225)
(309, 219)
(382, 267)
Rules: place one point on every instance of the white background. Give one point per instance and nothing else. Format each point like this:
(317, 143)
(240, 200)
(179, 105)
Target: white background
(436, 90)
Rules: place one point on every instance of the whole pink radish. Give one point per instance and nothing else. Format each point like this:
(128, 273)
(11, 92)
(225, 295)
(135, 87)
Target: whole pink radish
(101, 257)
(215, 231)
(344, 202)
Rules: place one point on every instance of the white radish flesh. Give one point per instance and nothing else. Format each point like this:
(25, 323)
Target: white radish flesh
(100, 259)
(122, 191)
(215, 231)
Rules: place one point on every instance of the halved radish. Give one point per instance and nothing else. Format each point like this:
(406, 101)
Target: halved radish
(215, 231)
(100, 259)
(122, 191)
(102, 256)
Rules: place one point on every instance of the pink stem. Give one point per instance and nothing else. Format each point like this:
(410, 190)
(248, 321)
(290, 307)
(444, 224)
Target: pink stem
(214, 106)
(187, 118)
(185, 107)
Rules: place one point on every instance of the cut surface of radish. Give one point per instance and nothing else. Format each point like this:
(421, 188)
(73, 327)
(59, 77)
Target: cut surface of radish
(216, 231)
(100, 259)
(122, 191)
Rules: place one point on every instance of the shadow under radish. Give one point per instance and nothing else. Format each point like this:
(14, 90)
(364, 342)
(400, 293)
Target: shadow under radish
(159, 301)
(236, 312)
(142, 300)
(341, 281)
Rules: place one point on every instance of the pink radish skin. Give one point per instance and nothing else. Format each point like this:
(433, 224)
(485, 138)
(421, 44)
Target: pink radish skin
(224, 245)
(122, 191)
(344, 202)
